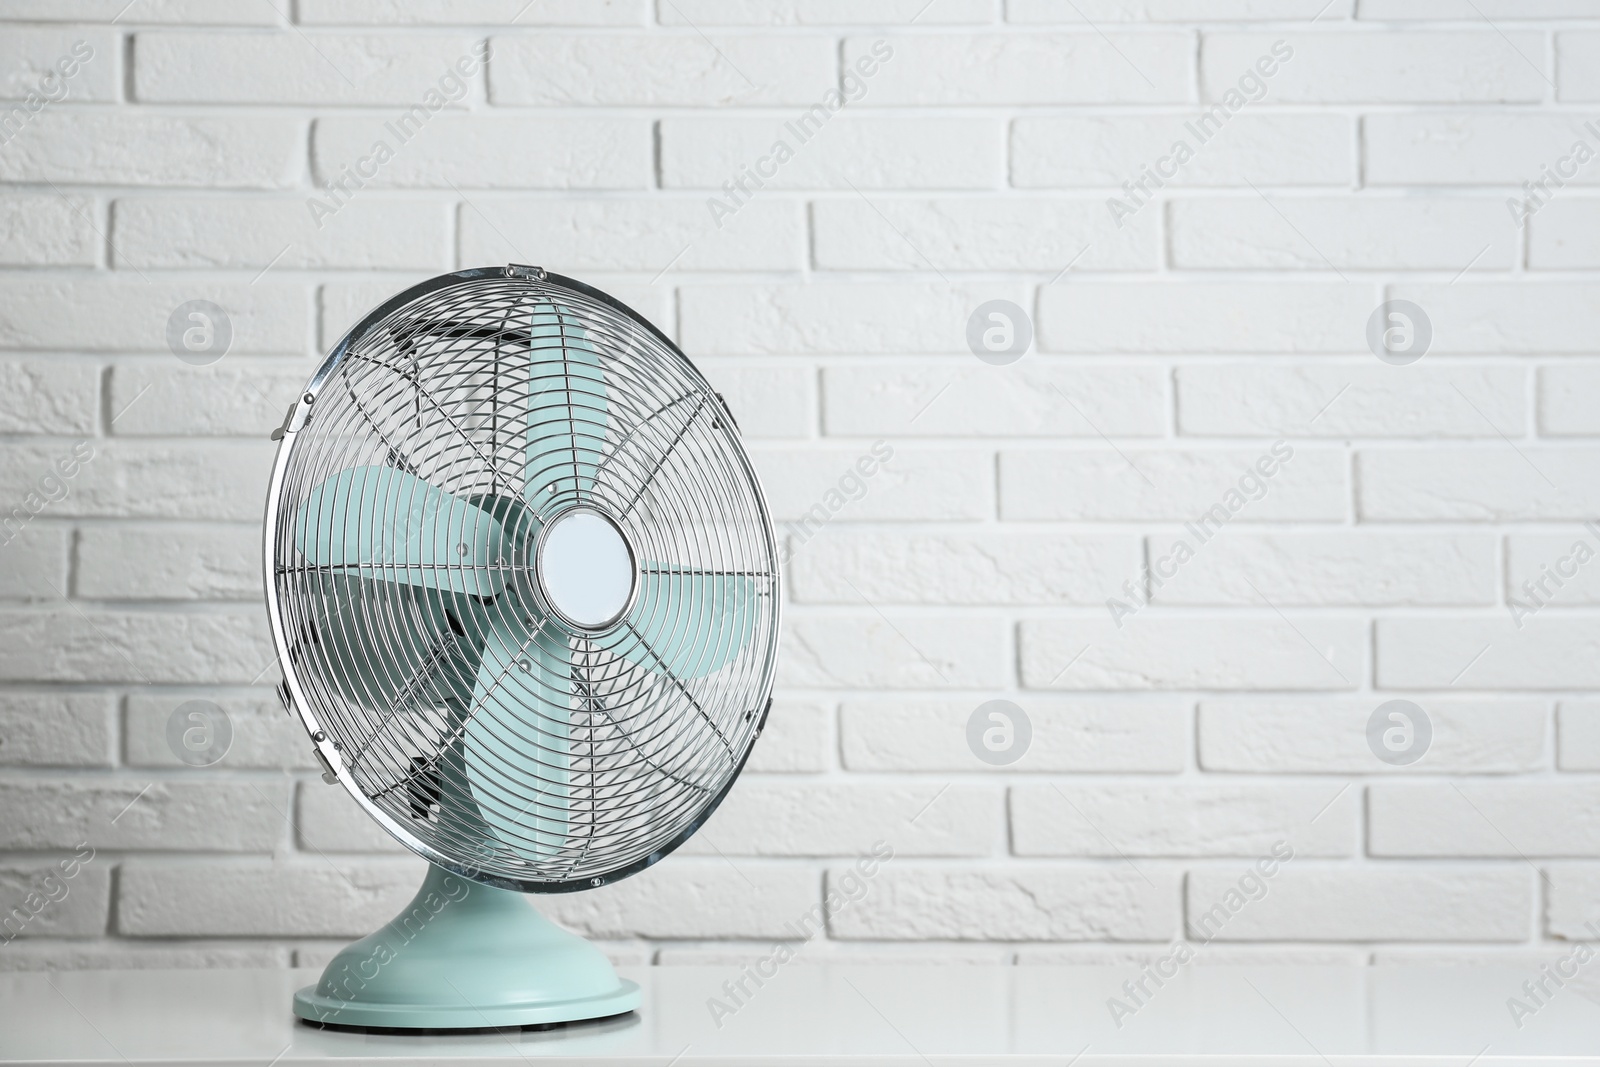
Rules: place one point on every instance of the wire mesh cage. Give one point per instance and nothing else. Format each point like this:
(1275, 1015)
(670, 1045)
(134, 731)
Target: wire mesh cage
(415, 588)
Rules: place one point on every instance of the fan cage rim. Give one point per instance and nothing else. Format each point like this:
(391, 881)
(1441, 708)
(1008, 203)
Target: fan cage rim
(323, 746)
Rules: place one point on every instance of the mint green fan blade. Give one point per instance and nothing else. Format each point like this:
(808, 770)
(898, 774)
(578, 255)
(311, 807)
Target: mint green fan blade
(517, 738)
(689, 623)
(566, 406)
(380, 522)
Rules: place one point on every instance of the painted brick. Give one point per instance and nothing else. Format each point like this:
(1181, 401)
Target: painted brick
(842, 566)
(1047, 399)
(842, 317)
(1118, 821)
(232, 398)
(1014, 903)
(327, 819)
(221, 480)
(473, 12)
(1249, 399)
(764, 818)
(821, 12)
(248, 152)
(1571, 912)
(655, 70)
(1578, 735)
(1349, 567)
(174, 564)
(1033, 68)
(308, 898)
(50, 728)
(1306, 736)
(1074, 151)
(1350, 233)
(72, 906)
(1576, 54)
(912, 483)
(49, 396)
(1551, 568)
(264, 735)
(136, 813)
(1491, 9)
(131, 313)
(870, 153)
(796, 738)
(1494, 483)
(29, 55)
(491, 152)
(1372, 903)
(1205, 316)
(218, 12)
(1551, 651)
(1141, 483)
(1494, 319)
(1484, 819)
(48, 955)
(966, 235)
(845, 652)
(110, 646)
(1565, 402)
(33, 558)
(1068, 11)
(1420, 67)
(292, 68)
(1154, 652)
(693, 897)
(1079, 736)
(1470, 148)
(1561, 236)
(639, 235)
(767, 401)
(278, 234)
(48, 231)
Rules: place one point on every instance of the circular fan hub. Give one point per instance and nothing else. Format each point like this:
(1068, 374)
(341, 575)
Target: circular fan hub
(586, 569)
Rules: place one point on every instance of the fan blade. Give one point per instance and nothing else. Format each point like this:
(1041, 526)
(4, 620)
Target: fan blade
(517, 738)
(425, 646)
(566, 406)
(689, 624)
(380, 522)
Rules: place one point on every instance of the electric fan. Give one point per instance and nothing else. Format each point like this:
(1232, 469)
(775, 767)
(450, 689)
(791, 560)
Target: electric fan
(524, 589)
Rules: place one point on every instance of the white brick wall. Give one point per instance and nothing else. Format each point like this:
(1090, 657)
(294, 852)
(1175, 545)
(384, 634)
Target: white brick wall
(1388, 558)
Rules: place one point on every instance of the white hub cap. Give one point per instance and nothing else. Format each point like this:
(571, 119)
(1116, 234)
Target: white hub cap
(586, 568)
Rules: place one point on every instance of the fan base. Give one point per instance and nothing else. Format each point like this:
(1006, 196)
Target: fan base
(466, 956)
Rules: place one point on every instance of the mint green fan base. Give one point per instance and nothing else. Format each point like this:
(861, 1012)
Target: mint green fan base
(463, 955)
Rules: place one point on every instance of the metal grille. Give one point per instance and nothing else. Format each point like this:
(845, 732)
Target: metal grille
(623, 755)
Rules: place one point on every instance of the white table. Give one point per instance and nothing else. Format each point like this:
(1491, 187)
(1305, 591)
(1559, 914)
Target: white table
(835, 1013)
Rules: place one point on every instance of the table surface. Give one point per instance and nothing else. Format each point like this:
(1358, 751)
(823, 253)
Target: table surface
(842, 1013)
